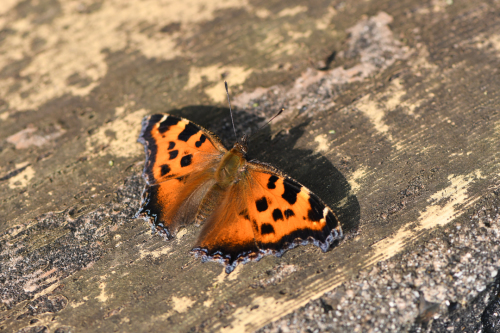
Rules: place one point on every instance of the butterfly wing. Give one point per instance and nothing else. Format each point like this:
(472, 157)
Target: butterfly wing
(181, 158)
(266, 212)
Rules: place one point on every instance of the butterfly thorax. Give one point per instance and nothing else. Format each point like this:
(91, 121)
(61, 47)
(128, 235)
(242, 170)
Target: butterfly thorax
(228, 171)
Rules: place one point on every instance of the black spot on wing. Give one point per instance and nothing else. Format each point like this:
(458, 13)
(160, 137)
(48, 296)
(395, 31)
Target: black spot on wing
(165, 125)
(291, 191)
(289, 213)
(266, 229)
(165, 169)
(261, 204)
(277, 214)
(316, 211)
(245, 215)
(200, 142)
(188, 132)
(186, 160)
(171, 145)
(173, 154)
(272, 182)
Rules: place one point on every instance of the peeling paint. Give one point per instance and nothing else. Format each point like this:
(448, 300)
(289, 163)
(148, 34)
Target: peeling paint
(375, 113)
(162, 251)
(124, 143)
(181, 304)
(214, 74)
(324, 22)
(323, 144)
(22, 179)
(356, 177)
(435, 215)
(252, 313)
(485, 42)
(234, 274)
(103, 297)
(292, 11)
(377, 40)
(114, 26)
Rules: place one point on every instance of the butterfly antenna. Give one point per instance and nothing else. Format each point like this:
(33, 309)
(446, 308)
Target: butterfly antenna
(230, 111)
(277, 114)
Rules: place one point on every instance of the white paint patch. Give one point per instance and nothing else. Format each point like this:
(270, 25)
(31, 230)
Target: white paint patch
(356, 177)
(119, 137)
(262, 13)
(181, 304)
(22, 179)
(234, 274)
(324, 22)
(208, 303)
(374, 111)
(490, 41)
(214, 74)
(181, 233)
(103, 297)
(376, 107)
(436, 215)
(74, 42)
(163, 316)
(162, 251)
(243, 316)
(220, 278)
(299, 34)
(292, 11)
(76, 304)
(323, 144)
(7, 5)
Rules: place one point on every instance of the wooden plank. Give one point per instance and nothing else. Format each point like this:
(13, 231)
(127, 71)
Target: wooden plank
(391, 118)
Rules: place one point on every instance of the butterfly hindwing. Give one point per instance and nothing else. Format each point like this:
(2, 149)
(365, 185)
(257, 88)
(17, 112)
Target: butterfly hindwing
(266, 212)
(181, 158)
(287, 213)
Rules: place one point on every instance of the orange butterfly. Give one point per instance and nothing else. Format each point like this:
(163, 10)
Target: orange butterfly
(248, 208)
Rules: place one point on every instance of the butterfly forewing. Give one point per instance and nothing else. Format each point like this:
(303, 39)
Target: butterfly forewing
(181, 158)
(175, 147)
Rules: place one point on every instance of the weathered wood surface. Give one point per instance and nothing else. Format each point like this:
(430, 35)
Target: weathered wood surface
(392, 118)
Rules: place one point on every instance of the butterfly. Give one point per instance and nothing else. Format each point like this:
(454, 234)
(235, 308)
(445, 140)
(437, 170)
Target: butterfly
(246, 209)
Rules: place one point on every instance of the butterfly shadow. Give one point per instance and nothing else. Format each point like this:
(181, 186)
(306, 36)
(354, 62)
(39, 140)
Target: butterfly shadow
(311, 169)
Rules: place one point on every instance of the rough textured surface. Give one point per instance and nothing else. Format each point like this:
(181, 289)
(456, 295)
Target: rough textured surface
(392, 118)
(440, 286)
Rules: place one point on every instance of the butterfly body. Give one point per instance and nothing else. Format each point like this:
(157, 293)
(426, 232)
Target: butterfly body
(246, 209)
(231, 167)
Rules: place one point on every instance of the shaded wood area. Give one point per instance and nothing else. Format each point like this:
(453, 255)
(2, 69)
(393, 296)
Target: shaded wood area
(392, 118)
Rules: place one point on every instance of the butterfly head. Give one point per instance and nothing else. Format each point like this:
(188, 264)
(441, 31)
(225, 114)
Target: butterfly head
(242, 144)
